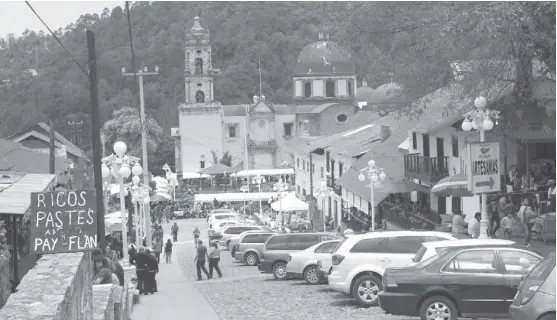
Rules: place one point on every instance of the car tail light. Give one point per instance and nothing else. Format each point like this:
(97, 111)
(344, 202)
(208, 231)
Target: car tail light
(389, 282)
(529, 294)
(337, 259)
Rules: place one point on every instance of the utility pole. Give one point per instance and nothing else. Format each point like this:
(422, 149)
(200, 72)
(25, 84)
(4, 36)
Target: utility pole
(96, 138)
(140, 74)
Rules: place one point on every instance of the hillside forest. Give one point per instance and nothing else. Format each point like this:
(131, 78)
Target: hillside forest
(411, 42)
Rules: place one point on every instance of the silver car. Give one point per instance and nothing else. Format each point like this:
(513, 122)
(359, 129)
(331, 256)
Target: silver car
(231, 231)
(250, 247)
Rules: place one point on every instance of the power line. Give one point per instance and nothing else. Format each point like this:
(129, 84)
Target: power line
(56, 38)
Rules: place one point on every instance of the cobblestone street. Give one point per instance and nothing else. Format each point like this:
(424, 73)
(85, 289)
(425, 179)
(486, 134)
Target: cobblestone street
(243, 292)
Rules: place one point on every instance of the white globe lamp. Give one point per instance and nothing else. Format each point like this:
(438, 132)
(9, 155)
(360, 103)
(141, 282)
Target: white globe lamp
(105, 170)
(120, 148)
(136, 169)
(135, 179)
(371, 163)
(382, 176)
(480, 102)
(474, 125)
(487, 124)
(125, 171)
(362, 177)
(466, 125)
(374, 178)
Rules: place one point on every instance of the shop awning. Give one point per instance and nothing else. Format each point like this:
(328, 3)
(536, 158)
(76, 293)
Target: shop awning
(234, 197)
(16, 199)
(264, 172)
(194, 175)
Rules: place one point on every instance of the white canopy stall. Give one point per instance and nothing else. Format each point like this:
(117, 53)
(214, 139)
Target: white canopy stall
(290, 203)
(234, 197)
(194, 175)
(264, 172)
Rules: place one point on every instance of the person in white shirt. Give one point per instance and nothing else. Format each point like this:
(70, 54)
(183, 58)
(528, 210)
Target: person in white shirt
(507, 226)
(459, 227)
(474, 225)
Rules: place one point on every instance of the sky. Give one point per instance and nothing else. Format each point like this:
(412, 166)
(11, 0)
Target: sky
(15, 16)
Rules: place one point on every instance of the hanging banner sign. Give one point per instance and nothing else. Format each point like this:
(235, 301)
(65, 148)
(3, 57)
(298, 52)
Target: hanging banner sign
(63, 221)
(484, 171)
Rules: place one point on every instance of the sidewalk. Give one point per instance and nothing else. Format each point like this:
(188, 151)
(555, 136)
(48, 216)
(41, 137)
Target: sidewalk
(177, 298)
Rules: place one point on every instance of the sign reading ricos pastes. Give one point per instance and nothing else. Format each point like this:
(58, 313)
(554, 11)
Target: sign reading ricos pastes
(63, 221)
(484, 170)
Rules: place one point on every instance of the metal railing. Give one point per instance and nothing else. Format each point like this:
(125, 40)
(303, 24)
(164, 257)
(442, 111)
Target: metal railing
(432, 169)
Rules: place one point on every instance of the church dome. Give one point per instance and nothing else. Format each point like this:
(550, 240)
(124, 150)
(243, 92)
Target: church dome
(324, 57)
(385, 92)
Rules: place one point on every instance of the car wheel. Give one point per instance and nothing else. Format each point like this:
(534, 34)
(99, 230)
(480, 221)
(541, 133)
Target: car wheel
(366, 290)
(279, 271)
(438, 308)
(310, 275)
(251, 259)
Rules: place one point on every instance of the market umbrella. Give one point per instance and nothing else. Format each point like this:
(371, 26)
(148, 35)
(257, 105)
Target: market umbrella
(455, 186)
(217, 168)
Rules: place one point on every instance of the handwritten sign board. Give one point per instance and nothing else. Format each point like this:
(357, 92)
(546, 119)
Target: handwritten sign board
(63, 221)
(485, 167)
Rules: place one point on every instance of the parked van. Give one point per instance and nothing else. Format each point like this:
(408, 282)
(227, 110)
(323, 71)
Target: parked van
(250, 247)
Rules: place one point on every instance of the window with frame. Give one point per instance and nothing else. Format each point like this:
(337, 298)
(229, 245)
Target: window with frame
(475, 261)
(232, 131)
(288, 129)
(303, 241)
(518, 262)
(372, 245)
(455, 146)
(414, 141)
(328, 247)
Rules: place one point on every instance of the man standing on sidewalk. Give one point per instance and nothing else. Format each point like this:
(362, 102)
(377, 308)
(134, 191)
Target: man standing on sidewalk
(200, 259)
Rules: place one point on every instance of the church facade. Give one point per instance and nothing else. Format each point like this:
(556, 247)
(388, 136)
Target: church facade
(323, 103)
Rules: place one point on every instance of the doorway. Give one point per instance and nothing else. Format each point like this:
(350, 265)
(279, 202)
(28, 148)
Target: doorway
(425, 139)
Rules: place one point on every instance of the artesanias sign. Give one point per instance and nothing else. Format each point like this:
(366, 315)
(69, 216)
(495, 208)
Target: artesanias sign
(64, 221)
(484, 168)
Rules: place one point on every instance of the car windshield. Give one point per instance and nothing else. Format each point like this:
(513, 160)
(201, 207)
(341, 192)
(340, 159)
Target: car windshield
(542, 269)
(429, 260)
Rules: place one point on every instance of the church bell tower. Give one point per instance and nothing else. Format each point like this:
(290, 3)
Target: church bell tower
(199, 82)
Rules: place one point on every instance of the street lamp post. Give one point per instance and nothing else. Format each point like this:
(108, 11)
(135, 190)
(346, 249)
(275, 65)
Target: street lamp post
(258, 180)
(244, 189)
(140, 197)
(121, 166)
(481, 119)
(140, 74)
(280, 187)
(324, 192)
(374, 174)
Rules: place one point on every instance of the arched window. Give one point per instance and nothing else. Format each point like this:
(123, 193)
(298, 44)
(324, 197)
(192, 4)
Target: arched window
(349, 88)
(198, 66)
(307, 89)
(199, 97)
(330, 88)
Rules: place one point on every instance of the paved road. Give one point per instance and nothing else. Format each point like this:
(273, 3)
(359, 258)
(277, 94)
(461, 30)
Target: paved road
(242, 292)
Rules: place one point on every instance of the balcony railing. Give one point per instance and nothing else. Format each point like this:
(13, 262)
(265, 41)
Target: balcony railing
(427, 169)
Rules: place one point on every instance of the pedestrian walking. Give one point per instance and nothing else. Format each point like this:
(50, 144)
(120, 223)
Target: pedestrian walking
(200, 259)
(507, 226)
(526, 217)
(210, 232)
(174, 231)
(196, 234)
(214, 259)
(168, 251)
(474, 226)
(141, 267)
(150, 282)
(157, 248)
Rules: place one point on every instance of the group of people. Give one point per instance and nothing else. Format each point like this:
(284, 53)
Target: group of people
(146, 269)
(204, 254)
(502, 215)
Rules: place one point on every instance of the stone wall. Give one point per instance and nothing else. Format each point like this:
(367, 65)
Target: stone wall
(59, 287)
(103, 303)
(5, 286)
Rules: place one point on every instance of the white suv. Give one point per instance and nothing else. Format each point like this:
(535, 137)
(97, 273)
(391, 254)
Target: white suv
(360, 261)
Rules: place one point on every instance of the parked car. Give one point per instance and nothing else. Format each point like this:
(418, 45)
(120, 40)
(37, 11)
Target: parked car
(250, 246)
(235, 240)
(535, 298)
(429, 249)
(303, 264)
(223, 216)
(361, 260)
(221, 225)
(231, 231)
(274, 256)
(469, 282)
